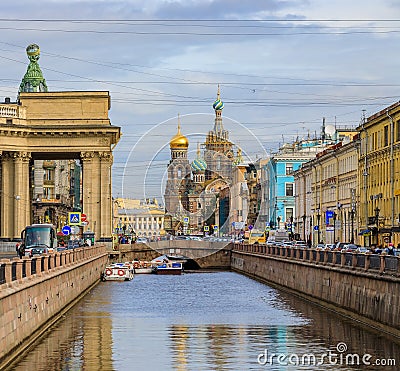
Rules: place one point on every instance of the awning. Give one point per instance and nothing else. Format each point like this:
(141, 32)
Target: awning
(364, 232)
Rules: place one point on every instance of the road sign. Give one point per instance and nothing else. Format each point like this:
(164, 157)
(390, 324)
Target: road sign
(74, 218)
(66, 230)
(316, 228)
(186, 220)
(215, 227)
(74, 229)
(250, 227)
(83, 218)
(206, 228)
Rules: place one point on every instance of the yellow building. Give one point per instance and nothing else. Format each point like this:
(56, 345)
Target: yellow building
(142, 218)
(379, 164)
(327, 193)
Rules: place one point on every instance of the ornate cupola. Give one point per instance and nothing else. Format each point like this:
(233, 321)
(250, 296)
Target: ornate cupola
(33, 80)
(179, 144)
(199, 167)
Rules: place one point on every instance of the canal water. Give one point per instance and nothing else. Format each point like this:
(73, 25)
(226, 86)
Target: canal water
(205, 321)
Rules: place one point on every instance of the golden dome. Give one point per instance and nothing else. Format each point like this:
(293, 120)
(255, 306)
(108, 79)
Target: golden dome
(179, 140)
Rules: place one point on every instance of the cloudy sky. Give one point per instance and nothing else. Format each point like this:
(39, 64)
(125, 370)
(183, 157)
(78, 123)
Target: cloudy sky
(282, 66)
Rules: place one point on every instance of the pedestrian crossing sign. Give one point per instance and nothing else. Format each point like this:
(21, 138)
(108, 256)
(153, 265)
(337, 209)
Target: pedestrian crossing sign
(74, 218)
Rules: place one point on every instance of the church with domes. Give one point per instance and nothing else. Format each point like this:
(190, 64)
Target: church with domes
(197, 193)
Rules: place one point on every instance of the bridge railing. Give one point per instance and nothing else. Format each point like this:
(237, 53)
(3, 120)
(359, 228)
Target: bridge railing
(16, 269)
(373, 263)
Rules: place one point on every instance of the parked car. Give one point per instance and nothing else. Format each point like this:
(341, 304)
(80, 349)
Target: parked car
(73, 244)
(35, 251)
(350, 247)
(340, 245)
(329, 246)
(362, 249)
(141, 240)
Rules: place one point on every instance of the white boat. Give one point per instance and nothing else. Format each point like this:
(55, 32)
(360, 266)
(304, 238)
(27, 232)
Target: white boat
(118, 272)
(168, 264)
(141, 267)
(170, 267)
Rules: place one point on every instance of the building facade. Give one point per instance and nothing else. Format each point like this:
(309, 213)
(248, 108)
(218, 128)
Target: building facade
(197, 194)
(327, 194)
(379, 177)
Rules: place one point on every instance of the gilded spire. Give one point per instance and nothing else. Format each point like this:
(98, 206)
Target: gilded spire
(179, 140)
(33, 80)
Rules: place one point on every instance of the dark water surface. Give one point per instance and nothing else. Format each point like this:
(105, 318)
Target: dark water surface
(205, 321)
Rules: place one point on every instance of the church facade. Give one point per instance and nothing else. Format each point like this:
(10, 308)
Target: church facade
(197, 194)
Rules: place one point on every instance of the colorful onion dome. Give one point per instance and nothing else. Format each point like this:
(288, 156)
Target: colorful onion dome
(218, 104)
(199, 164)
(179, 140)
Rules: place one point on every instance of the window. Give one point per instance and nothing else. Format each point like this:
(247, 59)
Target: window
(398, 131)
(289, 189)
(289, 213)
(386, 136)
(289, 169)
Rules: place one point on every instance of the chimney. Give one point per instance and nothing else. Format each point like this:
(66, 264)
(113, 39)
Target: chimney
(7, 100)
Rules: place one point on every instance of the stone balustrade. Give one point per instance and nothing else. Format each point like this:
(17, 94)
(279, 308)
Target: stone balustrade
(16, 269)
(373, 263)
(7, 110)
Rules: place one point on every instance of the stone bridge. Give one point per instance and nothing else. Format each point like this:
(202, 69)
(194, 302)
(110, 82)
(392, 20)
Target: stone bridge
(203, 254)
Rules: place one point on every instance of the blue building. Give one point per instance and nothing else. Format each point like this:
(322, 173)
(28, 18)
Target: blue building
(277, 182)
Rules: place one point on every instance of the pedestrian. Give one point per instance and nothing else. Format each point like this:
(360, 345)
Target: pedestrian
(17, 248)
(390, 250)
(21, 251)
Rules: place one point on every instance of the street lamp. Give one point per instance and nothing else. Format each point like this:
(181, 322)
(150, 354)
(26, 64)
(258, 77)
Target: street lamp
(334, 227)
(377, 210)
(352, 226)
(304, 226)
(318, 220)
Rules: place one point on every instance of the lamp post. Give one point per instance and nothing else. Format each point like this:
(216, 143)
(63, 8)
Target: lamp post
(352, 226)
(334, 227)
(377, 210)
(304, 227)
(318, 220)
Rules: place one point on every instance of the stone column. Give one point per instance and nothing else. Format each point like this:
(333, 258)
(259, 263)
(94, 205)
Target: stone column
(106, 160)
(21, 196)
(89, 182)
(7, 196)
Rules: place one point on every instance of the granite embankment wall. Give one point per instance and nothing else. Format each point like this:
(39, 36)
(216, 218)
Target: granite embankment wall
(364, 287)
(34, 293)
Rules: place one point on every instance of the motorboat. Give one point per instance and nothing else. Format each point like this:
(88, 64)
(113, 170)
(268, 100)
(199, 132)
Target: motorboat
(142, 267)
(118, 272)
(168, 268)
(168, 264)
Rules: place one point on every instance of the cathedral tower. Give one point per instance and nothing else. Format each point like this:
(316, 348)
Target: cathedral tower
(178, 173)
(218, 148)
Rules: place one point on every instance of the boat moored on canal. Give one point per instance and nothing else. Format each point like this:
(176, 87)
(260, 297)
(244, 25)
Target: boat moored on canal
(118, 272)
(168, 264)
(142, 267)
(168, 268)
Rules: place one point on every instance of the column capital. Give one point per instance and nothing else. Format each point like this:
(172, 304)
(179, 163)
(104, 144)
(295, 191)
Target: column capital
(87, 155)
(17, 156)
(105, 156)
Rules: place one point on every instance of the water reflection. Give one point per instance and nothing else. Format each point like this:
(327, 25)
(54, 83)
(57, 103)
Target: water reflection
(205, 321)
